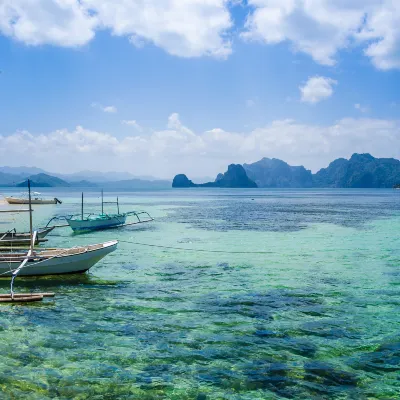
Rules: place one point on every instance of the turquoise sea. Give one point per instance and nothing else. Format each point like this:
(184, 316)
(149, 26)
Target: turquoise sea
(296, 297)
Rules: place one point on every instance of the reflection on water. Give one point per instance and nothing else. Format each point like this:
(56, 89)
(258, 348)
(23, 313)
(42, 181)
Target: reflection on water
(314, 317)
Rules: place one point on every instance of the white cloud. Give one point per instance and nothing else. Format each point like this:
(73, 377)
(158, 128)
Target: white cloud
(65, 23)
(131, 122)
(320, 28)
(250, 103)
(179, 149)
(360, 108)
(192, 28)
(317, 88)
(110, 109)
(106, 109)
(187, 28)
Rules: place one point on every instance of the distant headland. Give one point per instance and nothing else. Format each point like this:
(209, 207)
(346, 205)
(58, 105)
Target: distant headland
(234, 177)
(360, 171)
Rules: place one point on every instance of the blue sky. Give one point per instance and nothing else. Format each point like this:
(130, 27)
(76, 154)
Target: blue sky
(191, 86)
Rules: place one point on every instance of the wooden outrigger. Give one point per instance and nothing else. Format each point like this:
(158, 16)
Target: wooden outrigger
(23, 297)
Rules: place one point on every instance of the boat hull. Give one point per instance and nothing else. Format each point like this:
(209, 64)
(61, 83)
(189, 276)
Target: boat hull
(15, 200)
(59, 265)
(41, 233)
(79, 225)
(10, 243)
(15, 239)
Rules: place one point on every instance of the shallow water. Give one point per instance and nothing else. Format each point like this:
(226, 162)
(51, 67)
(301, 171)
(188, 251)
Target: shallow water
(312, 311)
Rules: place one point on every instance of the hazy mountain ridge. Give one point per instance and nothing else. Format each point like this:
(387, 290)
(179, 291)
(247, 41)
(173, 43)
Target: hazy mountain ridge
(44, 180)
(55, 180)
(24, 172)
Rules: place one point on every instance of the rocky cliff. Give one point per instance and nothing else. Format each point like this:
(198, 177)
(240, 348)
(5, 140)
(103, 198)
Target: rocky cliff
(234, 177)
(274, 173)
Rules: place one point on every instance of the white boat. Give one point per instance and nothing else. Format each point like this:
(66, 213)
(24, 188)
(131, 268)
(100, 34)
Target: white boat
(56, 261)
(34, 200)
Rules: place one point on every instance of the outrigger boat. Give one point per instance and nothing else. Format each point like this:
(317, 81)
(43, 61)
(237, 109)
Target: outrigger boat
(35, 200)
(12, 238)
(55, 261)
(89, 222)
(52, 261)
(13, 234)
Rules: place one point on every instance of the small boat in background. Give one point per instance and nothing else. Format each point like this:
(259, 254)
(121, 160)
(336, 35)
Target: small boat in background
(34, 200)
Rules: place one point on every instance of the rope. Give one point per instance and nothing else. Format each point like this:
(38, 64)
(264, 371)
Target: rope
(188, 249)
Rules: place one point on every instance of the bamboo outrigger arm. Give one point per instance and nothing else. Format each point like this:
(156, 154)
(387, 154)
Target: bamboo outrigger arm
(137, 213)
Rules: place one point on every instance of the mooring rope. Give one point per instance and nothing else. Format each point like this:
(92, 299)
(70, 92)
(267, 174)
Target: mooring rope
(189, 249)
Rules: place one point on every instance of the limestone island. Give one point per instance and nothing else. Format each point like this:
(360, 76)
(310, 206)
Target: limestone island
(235, 177)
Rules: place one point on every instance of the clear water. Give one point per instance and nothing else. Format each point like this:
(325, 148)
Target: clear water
(311, 312)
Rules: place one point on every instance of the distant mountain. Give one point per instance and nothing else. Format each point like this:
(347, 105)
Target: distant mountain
(98, 177)
(234, 177)
(90, 176)
(24, 172)
(44, 180)
(329, 177)
(83, 184)
(274, 173)
(361, 171)
(132, 184)
(9, 179)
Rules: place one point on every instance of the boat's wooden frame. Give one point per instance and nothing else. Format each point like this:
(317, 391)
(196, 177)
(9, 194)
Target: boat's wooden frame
(24, 297)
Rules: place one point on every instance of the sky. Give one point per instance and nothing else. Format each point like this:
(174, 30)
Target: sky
(161, 87)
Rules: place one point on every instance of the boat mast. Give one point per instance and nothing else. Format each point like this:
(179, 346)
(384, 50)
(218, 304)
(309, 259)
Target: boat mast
(30, 214)
(82, 207)
(102, 208)
(117, 205)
